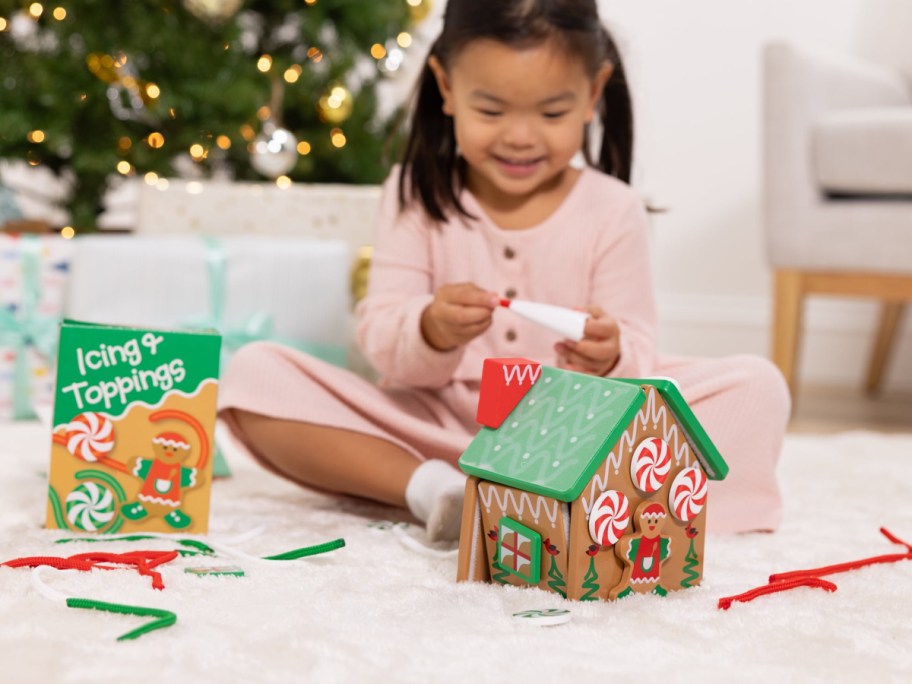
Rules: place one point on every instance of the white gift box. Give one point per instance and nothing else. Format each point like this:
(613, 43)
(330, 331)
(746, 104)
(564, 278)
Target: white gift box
(33, 276)
(291, 290)
(347, 212)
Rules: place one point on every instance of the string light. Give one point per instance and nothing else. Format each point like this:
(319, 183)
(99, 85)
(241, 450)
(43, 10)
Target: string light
(393, 60)
(223, 142)
(124, 167)
(378, 51)
(283, 182)
(336, 97)
(151, 178)
(3, 24)
(36, 10)
(264, 113)
(67, 233)
(337, 137)
(198, 152)
(303, 148)
(247, 132)
(59, 13)
(404, 39)
(36, 136)
(152, 90)
(314, 54)
(264, 63)
(155, 140)
(293, 73)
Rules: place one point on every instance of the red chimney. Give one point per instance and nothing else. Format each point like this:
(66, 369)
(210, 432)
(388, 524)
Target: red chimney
(504, 382)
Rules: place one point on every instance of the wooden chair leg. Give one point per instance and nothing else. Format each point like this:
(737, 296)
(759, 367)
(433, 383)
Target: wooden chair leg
(787, 315)
(890, 317)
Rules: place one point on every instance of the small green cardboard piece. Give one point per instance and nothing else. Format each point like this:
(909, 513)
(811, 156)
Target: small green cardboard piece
(216, 570)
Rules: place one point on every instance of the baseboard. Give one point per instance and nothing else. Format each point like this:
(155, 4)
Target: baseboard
(836, 344)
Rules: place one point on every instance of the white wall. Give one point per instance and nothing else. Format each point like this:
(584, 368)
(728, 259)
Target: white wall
(695, 70)
(696, 73)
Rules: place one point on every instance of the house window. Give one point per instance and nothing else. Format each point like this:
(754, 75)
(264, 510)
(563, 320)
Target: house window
(519, 550)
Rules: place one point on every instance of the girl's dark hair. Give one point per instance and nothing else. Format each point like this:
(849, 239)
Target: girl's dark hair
(431, 169)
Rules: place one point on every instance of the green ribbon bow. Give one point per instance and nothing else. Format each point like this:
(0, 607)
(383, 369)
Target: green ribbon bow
(26, 328)
(258, 326)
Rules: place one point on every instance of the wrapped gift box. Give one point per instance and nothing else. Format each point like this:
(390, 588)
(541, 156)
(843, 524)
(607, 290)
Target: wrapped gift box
(33, 276)
(291, 290)
(346, 212)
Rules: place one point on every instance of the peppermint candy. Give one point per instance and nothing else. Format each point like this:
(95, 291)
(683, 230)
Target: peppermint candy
(609, 517)
(650, 465)
(90, 436)
(688, 494)
(90, 507)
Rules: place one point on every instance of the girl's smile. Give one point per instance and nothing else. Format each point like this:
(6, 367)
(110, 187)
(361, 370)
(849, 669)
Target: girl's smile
(519, 168)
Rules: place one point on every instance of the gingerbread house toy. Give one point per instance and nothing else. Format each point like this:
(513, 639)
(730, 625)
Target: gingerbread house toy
(590, 487)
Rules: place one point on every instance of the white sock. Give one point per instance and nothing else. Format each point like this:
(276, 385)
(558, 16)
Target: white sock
(434, 495)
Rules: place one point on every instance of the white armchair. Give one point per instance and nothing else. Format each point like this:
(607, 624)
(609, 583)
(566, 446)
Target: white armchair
(837, 191)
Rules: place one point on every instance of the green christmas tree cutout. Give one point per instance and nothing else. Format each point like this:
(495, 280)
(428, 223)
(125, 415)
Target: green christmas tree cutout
(556, 582)
(691, 561)
(590, 581)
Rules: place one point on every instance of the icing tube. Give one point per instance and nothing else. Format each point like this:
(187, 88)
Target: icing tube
(567, 322)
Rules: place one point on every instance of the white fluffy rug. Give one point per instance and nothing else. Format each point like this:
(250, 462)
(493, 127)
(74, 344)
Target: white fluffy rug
(380, 611)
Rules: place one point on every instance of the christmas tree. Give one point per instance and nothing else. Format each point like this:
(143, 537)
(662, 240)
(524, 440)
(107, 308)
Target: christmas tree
(246, 89)
(590, 581)
(691, 562)
(557, 582)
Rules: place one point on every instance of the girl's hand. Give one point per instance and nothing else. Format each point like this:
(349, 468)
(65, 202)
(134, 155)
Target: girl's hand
(598, 352)
(459, 313)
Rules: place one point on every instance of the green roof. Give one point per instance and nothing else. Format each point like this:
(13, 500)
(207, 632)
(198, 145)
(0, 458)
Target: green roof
(563, 428)
(557, 436)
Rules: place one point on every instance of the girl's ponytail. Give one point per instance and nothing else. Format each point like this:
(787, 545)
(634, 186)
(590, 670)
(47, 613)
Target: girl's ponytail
(429, 161)
(616, 115)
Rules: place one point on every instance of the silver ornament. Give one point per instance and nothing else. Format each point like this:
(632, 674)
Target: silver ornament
(274, 151)
(213, 11)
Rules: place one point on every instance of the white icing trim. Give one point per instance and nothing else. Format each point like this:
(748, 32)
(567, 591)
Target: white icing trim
(535, 508)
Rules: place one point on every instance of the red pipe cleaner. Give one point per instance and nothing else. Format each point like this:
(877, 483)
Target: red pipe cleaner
(851, 565)
(784, 581)
(143, 561)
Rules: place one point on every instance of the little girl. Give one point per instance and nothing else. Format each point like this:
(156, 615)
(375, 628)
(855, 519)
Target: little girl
(489, 203)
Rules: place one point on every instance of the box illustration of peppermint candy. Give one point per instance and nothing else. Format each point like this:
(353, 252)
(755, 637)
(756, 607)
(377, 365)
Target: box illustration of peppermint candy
(134, 419)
